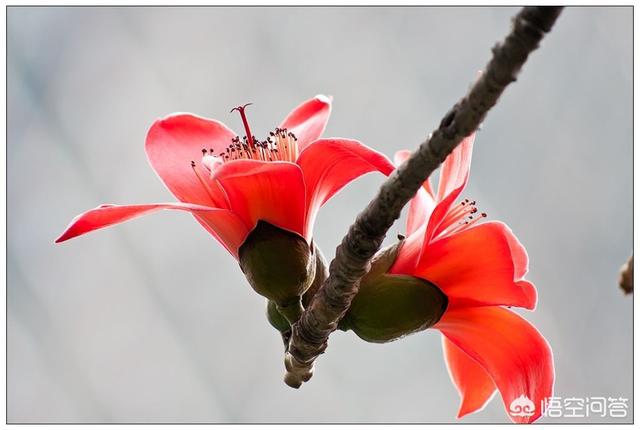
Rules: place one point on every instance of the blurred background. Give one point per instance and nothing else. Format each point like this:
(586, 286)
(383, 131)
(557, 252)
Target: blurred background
(152, 320)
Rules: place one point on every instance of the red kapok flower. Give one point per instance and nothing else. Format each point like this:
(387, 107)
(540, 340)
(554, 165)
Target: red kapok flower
(480, 268)
(235, 182)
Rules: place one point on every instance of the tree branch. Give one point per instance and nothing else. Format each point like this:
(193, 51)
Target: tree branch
(626, 276)
(353, 256)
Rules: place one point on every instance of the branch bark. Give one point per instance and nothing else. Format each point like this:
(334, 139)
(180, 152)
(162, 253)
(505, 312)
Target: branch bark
(354, 254)
(626, 276)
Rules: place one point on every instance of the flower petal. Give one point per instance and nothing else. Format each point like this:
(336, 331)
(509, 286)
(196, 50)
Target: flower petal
(455, 169)
(434, 224)
(422, 204)
(420, 208)
(308, 121)
(173, 142)
(476, 267)
(473, 383)
(453, 180)
(223, 224)
(409, 253)
(519, 254)
(270, 191)
(512, 352)
(330, 164)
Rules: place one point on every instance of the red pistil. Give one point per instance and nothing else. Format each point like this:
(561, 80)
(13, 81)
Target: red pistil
(240, 109)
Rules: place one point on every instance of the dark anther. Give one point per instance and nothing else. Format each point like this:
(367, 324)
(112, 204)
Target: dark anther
(401, 237)
(193, 163)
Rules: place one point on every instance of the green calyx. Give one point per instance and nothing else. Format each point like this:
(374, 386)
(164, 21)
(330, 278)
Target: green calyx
(278, 264)
(388, 307)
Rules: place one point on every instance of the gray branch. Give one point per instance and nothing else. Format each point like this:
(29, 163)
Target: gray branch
(353, 256)
(625, 279)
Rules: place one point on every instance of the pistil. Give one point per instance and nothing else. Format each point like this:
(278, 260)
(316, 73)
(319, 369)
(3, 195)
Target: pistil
(249, 136)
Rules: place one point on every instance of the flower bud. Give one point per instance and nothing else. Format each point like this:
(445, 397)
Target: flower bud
(388, 307)
(275, 318)
(278, 264)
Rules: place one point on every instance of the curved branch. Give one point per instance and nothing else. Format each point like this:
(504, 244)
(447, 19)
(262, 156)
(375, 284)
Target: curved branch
(625, 279)
(353, 256)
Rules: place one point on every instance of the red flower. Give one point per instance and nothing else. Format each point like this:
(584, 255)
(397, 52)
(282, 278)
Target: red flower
(480, 268)
(283, 180)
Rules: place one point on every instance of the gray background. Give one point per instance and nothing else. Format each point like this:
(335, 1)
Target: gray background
(153, 321)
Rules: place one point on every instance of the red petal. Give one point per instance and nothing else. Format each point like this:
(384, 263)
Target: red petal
(453, 179)
(173, 142)
(420, 208)
(476, 267)
(308, 121)
(512, 352)
(401, 156)
(455, 169)
(270, 191)
(519, 255)
(409, 253)
(434, 225)
(422, 204)
(330, 164)
(474, 385)
(223, 224)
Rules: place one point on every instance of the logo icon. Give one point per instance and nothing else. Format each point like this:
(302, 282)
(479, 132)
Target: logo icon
(522, 407)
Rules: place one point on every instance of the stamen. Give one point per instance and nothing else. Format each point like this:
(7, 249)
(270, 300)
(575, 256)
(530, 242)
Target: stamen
(459, 212)
(280, 145)
(460, 218)
(465, 225)
(204, 183)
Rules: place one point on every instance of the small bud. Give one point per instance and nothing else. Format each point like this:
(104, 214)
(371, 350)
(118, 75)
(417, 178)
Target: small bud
(388, 307)
(278, 264)
(279, 322)
(276, 319)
